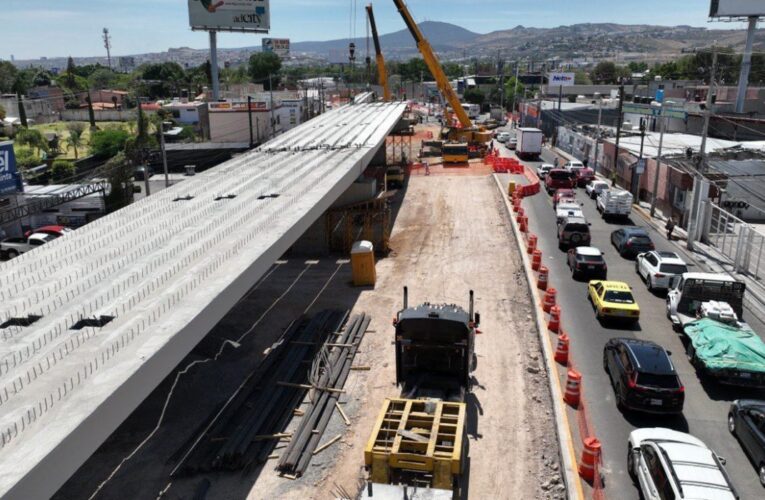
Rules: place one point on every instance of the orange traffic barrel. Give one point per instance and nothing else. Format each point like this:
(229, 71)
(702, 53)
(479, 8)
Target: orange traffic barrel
(536, 259)
(524, 224)
(554, 324)
(561, 353)
(521, 213)
(590, 458)
(542, 279)
(516, 204)
(532, 244)
(549, 299)
(573, 388)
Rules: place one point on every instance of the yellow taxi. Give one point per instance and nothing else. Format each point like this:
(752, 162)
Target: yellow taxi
(613, 299)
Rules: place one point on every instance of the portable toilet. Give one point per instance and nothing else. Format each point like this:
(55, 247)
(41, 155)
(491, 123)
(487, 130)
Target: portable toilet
(363, 263)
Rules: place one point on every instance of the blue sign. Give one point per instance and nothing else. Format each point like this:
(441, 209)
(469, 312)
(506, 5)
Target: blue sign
(660, 95)
(10, 180)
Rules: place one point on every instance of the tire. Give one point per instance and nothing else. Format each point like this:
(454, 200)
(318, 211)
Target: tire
(649, 284)
(731, 424)
(12, 254)
(605, 364)
(761, 474)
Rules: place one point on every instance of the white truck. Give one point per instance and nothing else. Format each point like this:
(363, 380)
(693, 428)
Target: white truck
(13, 247)
(614, 203)
(713, 295)
(529, 143)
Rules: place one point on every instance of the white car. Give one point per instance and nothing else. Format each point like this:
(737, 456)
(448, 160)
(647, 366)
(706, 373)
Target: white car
(512, 143)
(13, 247)
(573, 165)
(543, 169)
(568, 209)
(671, 464)
(660, 269)
(594, 188)
(503, 137)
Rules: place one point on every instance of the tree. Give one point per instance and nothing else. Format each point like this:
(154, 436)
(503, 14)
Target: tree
(32, 138)
(75, 139)
(108, 143)
(263, 64)
(2, 112)
(42, 79)
(637, 67)
(102, 78)
(582, 78)
(604, 73)
(62, 171)
(70, 73)
(514, 91)
(8, 74)
(26, 158)
(120, 175)
(474, 96)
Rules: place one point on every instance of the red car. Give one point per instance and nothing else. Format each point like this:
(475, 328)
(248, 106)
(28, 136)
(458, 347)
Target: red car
(52, 230)
(559, 178)
(584, 176)
(561, 194)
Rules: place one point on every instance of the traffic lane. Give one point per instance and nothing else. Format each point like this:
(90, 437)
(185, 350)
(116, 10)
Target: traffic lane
(705, 408)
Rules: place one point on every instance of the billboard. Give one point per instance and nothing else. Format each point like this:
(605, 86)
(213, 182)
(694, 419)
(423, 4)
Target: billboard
(560, 79)
(10, 181)
(230, 15)
(736, 8)
(279, 46)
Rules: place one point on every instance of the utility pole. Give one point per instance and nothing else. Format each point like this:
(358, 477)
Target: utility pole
(597, 138)
(108, 46)
(746, 65)
(708, 111)
(515, 91)
(273, 121)
(654, 191)
(164, 152)
(618, 132)
(249, 118)
(635, 181)
(214, 65)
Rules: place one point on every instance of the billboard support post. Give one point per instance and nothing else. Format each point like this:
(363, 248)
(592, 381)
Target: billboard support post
(214, 65)
(746, 65)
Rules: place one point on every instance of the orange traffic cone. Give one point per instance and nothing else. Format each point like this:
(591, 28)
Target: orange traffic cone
(573, 383)
(554, 324)
(549, 299)
(590, 458)
(561, 353)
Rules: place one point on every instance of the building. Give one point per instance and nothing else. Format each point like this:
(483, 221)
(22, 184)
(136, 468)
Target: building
(108, 99)
(230, 121)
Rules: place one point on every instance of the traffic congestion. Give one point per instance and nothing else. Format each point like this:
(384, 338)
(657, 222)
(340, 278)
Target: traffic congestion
(672, 361)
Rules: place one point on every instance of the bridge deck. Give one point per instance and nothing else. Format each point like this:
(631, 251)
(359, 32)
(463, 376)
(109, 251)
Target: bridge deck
(166, 269)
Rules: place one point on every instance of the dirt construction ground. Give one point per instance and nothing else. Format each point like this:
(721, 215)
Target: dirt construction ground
(450, 235)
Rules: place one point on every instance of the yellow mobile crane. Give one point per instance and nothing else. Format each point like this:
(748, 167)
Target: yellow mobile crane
(381, 71)
(453, 152)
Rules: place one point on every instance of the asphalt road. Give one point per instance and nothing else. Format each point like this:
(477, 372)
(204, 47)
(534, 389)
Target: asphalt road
(706, 406)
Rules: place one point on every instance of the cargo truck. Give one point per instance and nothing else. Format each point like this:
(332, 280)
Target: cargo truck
(529, 143)
(419, 438)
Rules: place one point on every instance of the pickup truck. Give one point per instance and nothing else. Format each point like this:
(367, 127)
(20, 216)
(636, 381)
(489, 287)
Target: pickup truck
(691, 291)
(13, 247)
(729, 352)
(614, 203)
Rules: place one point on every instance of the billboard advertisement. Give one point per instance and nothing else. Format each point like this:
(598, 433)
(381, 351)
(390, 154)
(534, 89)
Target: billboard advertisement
(230, 15)
(736, 8)
(560, 79)
(10, 180)
(279, 46)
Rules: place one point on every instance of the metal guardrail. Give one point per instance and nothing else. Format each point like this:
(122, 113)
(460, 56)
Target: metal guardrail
(47, 201)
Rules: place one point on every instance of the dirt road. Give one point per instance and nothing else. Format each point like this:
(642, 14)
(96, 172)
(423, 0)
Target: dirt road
(451, 236)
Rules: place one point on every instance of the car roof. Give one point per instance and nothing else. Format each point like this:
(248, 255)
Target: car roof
(669, 258)
(42, 236)
(696, 470)
(591, 251)
(635, 230)
(650, 357)
(546, 165)
(616, 285)
(710, 277)
(575, 220)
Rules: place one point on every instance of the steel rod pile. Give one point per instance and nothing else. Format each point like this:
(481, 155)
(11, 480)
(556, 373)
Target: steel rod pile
(329, 373)
(245, 433)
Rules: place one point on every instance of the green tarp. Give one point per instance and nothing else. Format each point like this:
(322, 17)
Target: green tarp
(721, 346)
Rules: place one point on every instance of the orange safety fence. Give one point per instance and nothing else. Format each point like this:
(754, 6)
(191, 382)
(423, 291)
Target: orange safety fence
(583, 423)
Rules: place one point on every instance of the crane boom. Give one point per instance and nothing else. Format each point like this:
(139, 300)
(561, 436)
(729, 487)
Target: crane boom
(382, 72)
(434, 65)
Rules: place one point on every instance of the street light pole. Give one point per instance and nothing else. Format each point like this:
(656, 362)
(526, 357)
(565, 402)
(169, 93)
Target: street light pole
(273, 121)
(654, 191)
(598, 136)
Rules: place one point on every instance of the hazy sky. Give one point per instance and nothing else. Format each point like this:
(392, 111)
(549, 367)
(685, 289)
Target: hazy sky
(34, 28)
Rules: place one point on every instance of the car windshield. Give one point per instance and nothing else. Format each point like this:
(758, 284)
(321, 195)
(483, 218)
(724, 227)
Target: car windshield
(663, 381)
(619, 297)
(560, 175)
(673, 268)
(577, 228)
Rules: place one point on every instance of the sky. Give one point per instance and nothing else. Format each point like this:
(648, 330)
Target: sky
(55, 28)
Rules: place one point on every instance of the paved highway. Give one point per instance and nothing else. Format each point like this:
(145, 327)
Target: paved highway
(706, 406)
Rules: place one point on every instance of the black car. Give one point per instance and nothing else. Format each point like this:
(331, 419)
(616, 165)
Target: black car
(140, 173)
(746, 421)
(630, 241)
(587, 262)
(643, 376)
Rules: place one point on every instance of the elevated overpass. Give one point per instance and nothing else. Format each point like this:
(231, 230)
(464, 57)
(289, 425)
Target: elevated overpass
(91, 323)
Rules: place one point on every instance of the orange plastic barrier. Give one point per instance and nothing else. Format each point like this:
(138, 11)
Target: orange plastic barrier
(549, 299)
(524, 224)
(536, 259)
(573, 388)
(561, 352)
(590, 456)
(554, 324)
(542, 279)
(532, 244)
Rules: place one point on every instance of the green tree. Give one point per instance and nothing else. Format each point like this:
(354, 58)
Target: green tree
(604, 73)
(263, 64)
(120, 175)
(8, 74)
(42, 78)
(107, 143)
(514, 91)
(474, 96)
(2, 112)
(582, 78)
(71, 73)
(637, 67)
(26, 158)
(102, 78)
(32, 138)
(75, 139)
(62, 171)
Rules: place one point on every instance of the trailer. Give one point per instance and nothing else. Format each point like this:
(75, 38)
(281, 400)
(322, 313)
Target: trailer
(529, 143)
